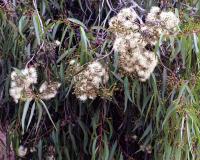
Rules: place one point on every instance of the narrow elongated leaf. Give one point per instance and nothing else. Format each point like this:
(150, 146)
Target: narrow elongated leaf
(126, 88)
(40, 111)
(146, 132)
(170, 111)
(63, 36)
(31, 115)
(106, 149)
(77, 22)
(65, 54)
(72, 138)
(112, 152)
(196, 43)
(25, 110)
(84, 46)
(45, 107)
(94, 148)
(37, 28)
(22, 24)
(85, 138)
(39, 146)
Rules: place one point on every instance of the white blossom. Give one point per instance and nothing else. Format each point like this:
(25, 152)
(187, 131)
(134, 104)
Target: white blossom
(57, 42)
(43, 87)
(88, 82)
(95, 67)
(72, 62)
(13, 75)
(154, 9)
(48, 90)
(132, 38)
(21, 81)
(83, 97)
(169, 20)
(22, 151)
(124, 22)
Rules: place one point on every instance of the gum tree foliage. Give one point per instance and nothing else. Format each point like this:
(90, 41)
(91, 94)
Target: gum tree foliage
(158, 119)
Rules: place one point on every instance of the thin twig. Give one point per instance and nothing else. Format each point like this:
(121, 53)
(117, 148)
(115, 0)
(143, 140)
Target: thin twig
(41, 46)
(104, 56)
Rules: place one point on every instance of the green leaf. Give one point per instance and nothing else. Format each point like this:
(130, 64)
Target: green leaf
(126, 88)
(106, 149)
(170, 111)
(55, 30)
(94, 148)
(31, 115)
(146, 132)
(177, 153)
(154, 83)
(40, 111)
(188, 134)
(39, 146)
(63, 36)
(196, 43)
(84, 46)
(85, 137)
(76, 21)
(112, 152)
(116, 61)
(25, 110)
(66, 152)
(72, 138)
(22, 24)
(45, 107)
(69, 88)
(125, 103)
(37, 27)
(168, 153)
(164, 82)
(65, 54)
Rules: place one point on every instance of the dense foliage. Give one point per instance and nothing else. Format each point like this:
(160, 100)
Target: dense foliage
(127, 119)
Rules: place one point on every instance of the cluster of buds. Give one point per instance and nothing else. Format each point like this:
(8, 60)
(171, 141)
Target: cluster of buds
(89, 81)
(21, 81)
(132, 38)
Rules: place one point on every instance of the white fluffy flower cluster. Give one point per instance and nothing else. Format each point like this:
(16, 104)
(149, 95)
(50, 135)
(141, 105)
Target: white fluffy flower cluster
(124, 23)
(21, 81)
(88, 81)
(162, 22)
(133, 57)
(22, 151)
(48, 90)
(132, 39)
